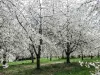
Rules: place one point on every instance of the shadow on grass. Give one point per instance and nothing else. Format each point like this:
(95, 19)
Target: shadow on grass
(50, 69)
(57, 69)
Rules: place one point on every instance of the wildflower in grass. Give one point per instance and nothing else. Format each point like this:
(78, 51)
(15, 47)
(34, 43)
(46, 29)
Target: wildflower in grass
(88, 66)
(5, 65)
(81, 63)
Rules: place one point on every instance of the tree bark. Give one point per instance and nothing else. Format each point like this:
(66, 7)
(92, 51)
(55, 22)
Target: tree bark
(82, 57)
(68, 53)
(38, 57)
(68, 57)
(4, 59)
(32, 57)
(91, 56)
(50, 57)
(47, 57)
(38, 61)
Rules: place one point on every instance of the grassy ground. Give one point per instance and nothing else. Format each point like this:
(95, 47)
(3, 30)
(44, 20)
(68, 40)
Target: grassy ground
(54, 67)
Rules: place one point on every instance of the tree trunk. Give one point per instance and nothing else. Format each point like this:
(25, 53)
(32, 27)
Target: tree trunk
(91, 56)
(38, 61)
(68, 57)
(47, 57)
(4, 59)
(38, 57)
(78, 56)
(63, 55)
(17, 58)
(68, 53)
(50, 57)
(32, 57)
(82, 57)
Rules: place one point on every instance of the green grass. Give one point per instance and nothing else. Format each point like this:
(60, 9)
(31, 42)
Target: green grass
(48, 67)
(95, 59)
(74, 69)
(52, 69)
(42, 60)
